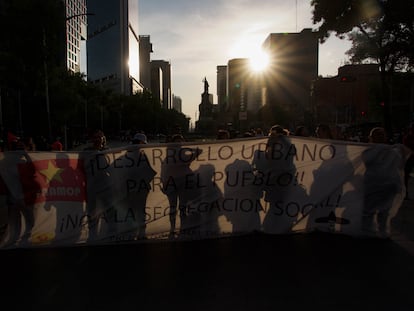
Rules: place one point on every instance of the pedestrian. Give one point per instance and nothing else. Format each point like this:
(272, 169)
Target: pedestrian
(323, 131)
(175, 170)
(138, 196)
(57, 145)
(139, 138)
(301, 130)
(377, 136)
(408, 141)
(382, 183)
(177, 138)
(259, 132)
(222, 134)
(12, 141)
(98, 141)
(277, 164)
(26, 144)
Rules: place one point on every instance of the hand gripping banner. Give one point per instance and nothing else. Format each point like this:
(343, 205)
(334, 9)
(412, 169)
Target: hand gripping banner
(276, 185)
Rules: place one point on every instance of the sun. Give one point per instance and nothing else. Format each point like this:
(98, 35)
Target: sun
(248, 45)
(259, 61)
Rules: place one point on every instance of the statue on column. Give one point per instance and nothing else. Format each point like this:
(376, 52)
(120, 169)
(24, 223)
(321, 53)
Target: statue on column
(206, 85)
(205, 108)
(205, 124)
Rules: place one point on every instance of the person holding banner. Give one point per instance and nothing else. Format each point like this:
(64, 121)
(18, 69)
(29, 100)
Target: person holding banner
(21, 197)
(277, 166)
(98, 142)
(202, 209)
(100, 190)
(245, 216)
(144, 173)
(4, 209)
(383, 182)
(323, 131)
(408, 141)
(174, 170)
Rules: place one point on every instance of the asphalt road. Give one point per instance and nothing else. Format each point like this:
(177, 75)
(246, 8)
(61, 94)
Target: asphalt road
(255, 272)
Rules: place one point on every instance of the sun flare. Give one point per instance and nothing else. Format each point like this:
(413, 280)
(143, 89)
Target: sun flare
(259, 61)
(248, 45)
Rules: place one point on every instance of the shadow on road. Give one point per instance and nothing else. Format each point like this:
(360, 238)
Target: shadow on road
(255, 272)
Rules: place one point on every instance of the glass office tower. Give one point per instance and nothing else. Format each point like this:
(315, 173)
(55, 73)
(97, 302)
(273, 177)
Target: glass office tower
(76, 23)
(113, 45)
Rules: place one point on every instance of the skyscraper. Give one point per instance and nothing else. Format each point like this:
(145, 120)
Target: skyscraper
(164, 79)
(237, 86)
(145, 50)
(177, 103)
(293, 67)
(221, 87)
(244, 91)
(76, 21)
(113, 45)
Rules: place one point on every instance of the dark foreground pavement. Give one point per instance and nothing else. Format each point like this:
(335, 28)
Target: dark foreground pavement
(257, 272)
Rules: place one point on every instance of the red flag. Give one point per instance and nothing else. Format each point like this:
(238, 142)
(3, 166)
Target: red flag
(53, 180)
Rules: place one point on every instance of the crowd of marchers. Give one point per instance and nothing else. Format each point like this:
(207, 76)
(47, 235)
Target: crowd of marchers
(98, 141)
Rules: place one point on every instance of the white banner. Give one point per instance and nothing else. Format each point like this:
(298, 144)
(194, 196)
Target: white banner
(196, 191)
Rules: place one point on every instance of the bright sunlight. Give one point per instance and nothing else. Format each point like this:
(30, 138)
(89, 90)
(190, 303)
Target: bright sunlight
(248, 45)
(259, 61)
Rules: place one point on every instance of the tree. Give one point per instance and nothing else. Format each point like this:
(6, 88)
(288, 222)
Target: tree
(381, 31)
(32, 38)
(36, 86)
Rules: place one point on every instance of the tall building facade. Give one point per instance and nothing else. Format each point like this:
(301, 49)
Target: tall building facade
(145, 50)
(76, 34)
(113, 45)
(206, 125)
(350, 98)
(237, 82)
(177, 103)
(222, 87)
(244, 92)
(293, 68)
(161, 82)
(156, 83)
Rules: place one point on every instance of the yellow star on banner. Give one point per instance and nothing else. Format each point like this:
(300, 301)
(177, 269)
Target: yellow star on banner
(52, 172)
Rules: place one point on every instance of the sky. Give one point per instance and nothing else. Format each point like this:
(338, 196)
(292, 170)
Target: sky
(197, 36)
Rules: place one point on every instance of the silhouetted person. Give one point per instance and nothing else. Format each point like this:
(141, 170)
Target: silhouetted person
(301, 131)
(382, 182)
(98, 141)
(56, 145)
(327, 186)
(408, 141)
(70, 214)
(323, 131)
(222, 134)
(137, 195)
(203, 213)
(174, 169)
(242, 197)
(139, 139)
(101, 212)
(5, 205)
(21, 202)
(277, 165)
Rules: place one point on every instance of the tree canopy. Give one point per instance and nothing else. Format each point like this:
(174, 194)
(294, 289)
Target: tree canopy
(381, 31)
(33, 71)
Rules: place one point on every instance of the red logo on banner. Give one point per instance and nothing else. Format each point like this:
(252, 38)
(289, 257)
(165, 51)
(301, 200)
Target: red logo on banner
(53, 180)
